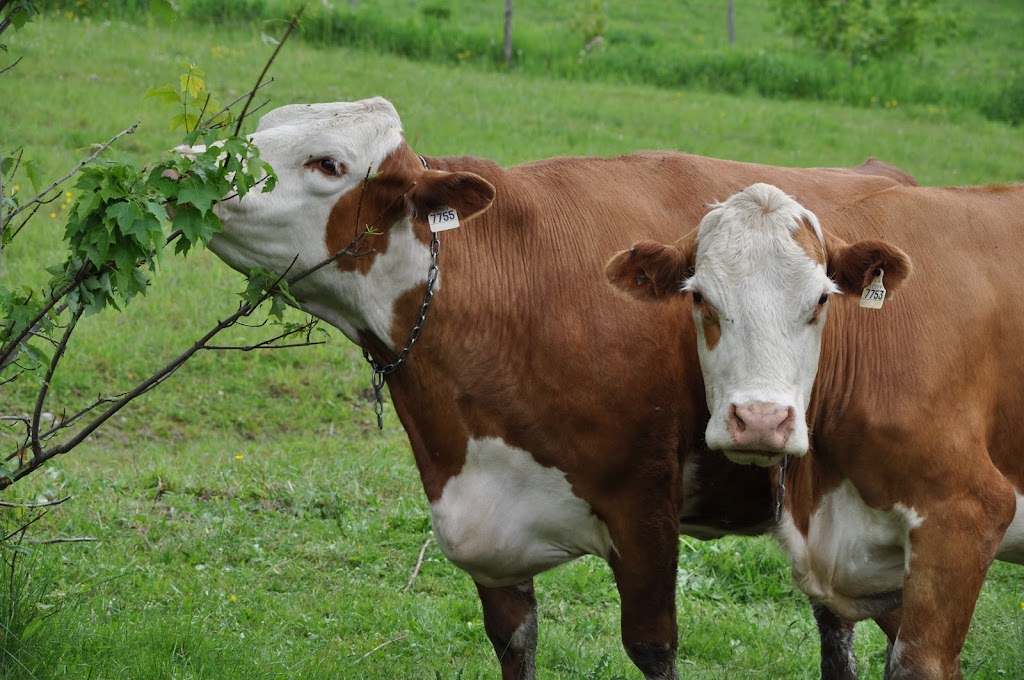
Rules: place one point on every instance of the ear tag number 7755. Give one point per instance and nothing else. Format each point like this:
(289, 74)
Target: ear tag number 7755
(443, 218)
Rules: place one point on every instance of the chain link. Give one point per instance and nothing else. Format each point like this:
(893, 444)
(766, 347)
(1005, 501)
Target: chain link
(381, 372)
(780, 490)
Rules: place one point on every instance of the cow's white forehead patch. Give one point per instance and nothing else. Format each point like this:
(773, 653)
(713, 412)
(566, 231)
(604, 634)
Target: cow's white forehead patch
(760, 208)
(360, 134)
(332, 113)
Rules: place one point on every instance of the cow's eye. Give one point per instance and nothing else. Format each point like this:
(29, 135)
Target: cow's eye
(698, 299)
(823, 299)
(327, 166)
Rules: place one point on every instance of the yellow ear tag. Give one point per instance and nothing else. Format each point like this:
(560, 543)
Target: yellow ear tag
(874, 295)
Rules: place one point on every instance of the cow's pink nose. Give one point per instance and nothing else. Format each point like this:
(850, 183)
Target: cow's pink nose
(760, 426)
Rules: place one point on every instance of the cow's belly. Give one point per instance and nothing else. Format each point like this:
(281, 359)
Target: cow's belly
(505, 518)
(854, 557)
(1011, 549)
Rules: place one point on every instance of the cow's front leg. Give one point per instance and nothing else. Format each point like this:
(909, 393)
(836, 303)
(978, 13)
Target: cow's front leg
(950, 551)
(837, 659)
(510, 619)
(644, 564)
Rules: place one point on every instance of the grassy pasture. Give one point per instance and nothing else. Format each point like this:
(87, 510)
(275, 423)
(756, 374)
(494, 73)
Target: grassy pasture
(252, 521)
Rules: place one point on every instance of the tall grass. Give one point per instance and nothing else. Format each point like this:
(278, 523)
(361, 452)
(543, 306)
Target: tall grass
(553, 41)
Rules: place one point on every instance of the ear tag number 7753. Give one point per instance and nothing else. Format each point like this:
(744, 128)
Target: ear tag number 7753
(874, 295)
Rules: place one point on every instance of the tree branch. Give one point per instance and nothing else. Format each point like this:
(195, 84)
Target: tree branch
(81, 164)
(47, 504)
(44, 389)
(266, 67)
(16, 62)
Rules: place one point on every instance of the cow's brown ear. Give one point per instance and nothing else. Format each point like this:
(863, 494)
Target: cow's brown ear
(854, 265)
(651, 270)
(467, 193)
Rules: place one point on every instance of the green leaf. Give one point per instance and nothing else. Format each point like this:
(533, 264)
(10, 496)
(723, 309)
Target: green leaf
(194, 226)
(166, 94)
(163, 11)
(35, 174)
(22, 14)
(193, 84)
(125, 214)
(269, 40)
(7, 165)
(198, 193)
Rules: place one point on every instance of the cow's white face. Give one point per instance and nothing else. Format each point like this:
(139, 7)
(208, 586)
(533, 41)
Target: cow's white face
(760, 297)
(760, 272)
(340, 168)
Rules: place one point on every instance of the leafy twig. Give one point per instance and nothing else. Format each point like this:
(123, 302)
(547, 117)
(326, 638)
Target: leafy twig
(81, 164)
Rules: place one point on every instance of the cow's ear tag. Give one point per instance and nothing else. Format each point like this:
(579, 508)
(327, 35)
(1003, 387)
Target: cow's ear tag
(874, 295)
(443, 218)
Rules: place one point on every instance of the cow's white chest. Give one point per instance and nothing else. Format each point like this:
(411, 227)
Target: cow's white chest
(852, 553)
(505, 518)
(1011, 549)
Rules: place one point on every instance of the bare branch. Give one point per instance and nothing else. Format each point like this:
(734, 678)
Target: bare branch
(47, 504)
(84, 539)
(17, 164)
(382, 646)
(81, 164)
(25, 221)
(268, 343)
(24, 526)
(266, 67)
(44, 389)
(7, 353)
(227, 108)
(16, 62)
(419, 563)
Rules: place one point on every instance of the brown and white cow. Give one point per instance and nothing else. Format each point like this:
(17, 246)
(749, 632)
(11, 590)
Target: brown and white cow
(912, 480)
(545, 423)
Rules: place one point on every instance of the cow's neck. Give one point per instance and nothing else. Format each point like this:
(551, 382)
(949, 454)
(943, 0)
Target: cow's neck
(503, 338)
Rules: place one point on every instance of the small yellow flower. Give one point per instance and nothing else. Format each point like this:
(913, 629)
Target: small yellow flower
(53, 214)
(234, 599)
(67, 195)
(239, 457)
(1022, 605)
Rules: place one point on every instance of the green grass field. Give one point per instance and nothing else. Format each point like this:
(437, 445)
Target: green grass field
(252, 521)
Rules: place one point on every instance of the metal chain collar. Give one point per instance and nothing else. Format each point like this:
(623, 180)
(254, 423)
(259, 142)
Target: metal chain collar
(381, 372)
(780, 490)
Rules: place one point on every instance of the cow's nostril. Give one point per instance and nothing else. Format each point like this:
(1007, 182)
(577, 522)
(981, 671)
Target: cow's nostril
(740, 424)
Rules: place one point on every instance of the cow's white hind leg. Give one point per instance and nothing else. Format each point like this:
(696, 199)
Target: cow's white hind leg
(510, 619)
